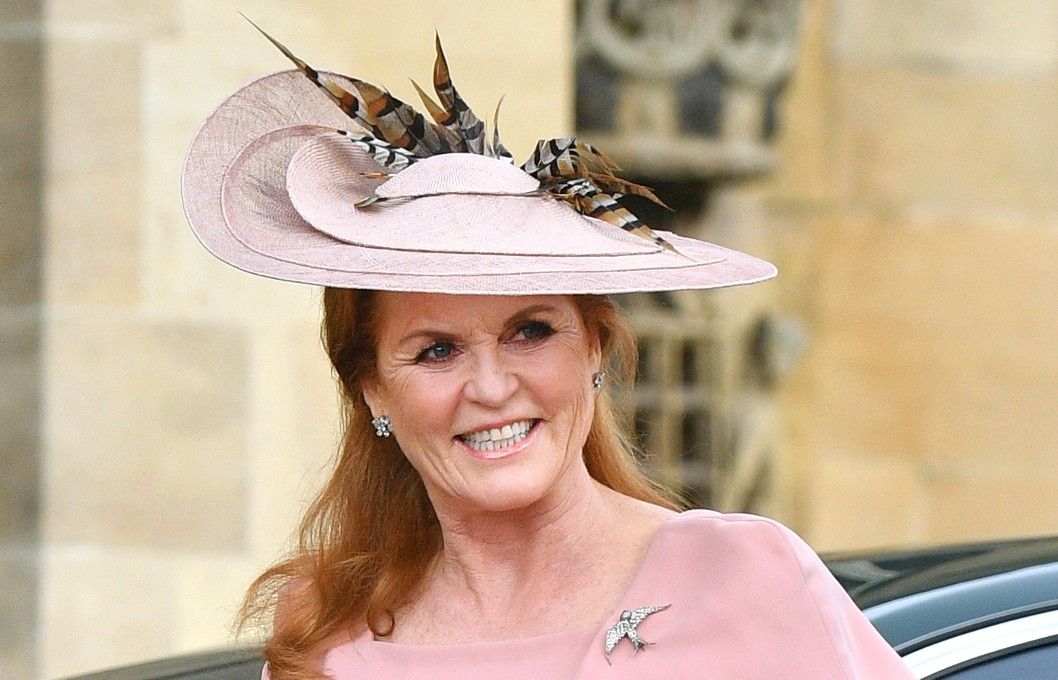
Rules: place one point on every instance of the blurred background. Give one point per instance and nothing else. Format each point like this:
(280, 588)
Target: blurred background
(164, 418)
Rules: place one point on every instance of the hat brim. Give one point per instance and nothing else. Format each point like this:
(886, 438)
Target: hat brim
(236, 201)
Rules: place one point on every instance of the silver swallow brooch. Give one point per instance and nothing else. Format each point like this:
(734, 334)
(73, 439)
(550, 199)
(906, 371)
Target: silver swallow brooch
(626, 628)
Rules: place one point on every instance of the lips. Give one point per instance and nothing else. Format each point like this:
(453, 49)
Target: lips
(497, 438)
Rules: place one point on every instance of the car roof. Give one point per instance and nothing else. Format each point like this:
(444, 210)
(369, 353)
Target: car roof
(910, 595)
(224, 664)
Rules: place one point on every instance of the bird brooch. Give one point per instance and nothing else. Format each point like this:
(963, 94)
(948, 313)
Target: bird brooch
(626, 628)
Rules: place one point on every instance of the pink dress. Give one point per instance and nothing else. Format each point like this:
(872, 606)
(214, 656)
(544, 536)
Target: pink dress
(750, 601)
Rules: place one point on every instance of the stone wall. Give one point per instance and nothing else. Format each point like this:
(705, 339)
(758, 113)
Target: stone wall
(165, 417)
(919, 234)
(185, 410)
(21, 360)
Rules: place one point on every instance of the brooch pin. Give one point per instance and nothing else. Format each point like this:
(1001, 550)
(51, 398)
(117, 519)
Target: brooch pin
(626, 627)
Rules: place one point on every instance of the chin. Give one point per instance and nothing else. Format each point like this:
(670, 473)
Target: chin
(508, 495)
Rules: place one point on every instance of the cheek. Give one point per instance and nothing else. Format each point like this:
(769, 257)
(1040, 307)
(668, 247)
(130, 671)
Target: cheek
(564, 382)
(424, 402)
(568, 365)
(424, 407)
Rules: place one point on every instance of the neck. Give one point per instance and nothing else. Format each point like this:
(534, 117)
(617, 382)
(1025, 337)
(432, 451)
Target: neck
(493, 561)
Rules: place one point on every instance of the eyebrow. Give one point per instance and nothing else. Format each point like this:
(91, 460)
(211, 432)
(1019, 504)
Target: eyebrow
(445, 335)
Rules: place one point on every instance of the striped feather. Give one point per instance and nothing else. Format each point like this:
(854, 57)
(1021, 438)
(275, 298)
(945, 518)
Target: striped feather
(588, 200)
(400, 124)
(554, 160)
(604, 207)
(547, 151)
(618, 187)
(498, 150)
(347, 101)
(388, 118)
(387, 155)
(460, 118)
(573, 171)
(445, 122)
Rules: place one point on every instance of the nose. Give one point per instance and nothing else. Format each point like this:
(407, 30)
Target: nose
(491, 382)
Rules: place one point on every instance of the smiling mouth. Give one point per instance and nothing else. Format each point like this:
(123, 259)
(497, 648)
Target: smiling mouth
(495, 439)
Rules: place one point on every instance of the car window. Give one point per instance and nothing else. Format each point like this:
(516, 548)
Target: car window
(1037, 663)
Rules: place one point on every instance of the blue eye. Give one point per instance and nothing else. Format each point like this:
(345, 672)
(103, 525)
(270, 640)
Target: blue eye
(439, 351)
(535, 330)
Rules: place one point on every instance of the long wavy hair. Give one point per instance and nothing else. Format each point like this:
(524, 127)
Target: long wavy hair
(368, 538)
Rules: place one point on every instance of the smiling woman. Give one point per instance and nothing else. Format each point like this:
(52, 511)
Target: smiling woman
(459, 374)
(486, 515)
(451, 372)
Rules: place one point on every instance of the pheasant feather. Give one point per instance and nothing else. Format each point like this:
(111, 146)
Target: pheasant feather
(459, 117)
(384, 115)
(498, 150)
(563, 158)
(387, 155)
(400, 124)
(443, 119)
(571, 170)
(346, 101)
(583, 195)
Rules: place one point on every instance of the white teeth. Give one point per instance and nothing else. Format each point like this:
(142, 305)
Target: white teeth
(497, 438)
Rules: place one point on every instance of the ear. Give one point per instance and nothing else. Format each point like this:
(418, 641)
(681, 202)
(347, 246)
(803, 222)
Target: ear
(595, 352)
(370, 389)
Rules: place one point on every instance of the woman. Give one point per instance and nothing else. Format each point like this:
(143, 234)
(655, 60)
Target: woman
(486, 516)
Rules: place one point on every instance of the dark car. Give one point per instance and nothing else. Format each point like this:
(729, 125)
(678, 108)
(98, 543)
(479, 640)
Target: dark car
(971, 612)
(987, 611)
(228, 664)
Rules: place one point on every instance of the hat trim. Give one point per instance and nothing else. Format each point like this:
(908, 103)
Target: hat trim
(365, 272)
(646, 268)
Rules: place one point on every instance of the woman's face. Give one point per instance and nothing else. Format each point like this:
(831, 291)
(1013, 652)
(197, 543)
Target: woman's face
(490, 397)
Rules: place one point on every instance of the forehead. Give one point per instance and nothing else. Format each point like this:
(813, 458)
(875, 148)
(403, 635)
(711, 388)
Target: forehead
(400, 312)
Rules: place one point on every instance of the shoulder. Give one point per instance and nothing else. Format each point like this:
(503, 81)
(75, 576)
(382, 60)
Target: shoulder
(744, 565)
(706, 529)
(755, 546)
(737, 547)
(750, 568)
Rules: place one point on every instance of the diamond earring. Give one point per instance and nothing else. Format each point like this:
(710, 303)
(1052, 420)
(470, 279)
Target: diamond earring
(383, 426)
(597, 380)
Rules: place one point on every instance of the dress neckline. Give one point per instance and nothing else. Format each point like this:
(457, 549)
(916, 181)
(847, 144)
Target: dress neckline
(576, 635)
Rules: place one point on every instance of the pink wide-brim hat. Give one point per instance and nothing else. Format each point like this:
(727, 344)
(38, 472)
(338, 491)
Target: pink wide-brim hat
(270, 187)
